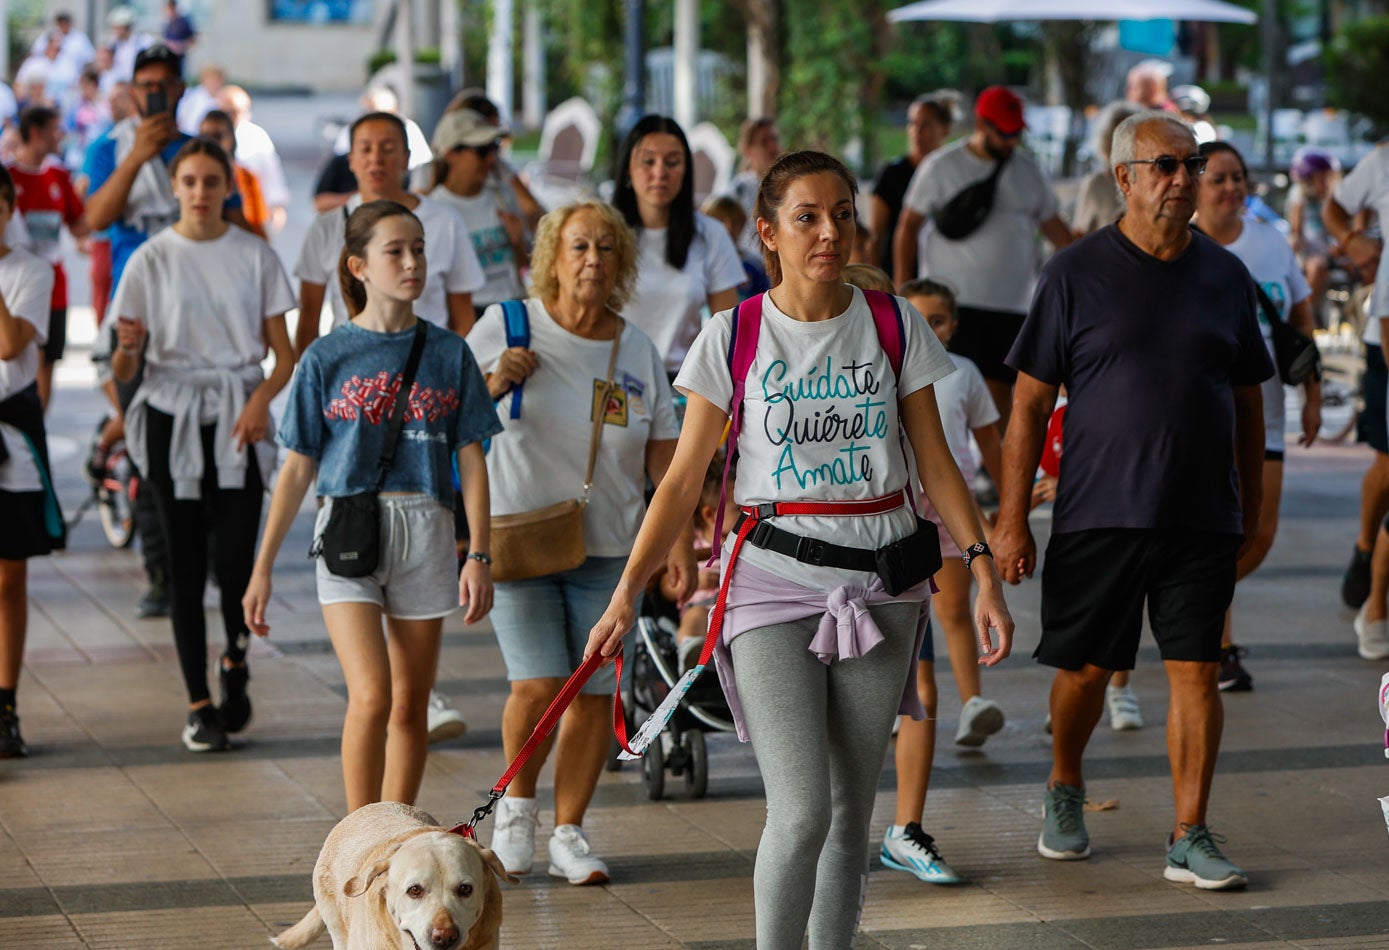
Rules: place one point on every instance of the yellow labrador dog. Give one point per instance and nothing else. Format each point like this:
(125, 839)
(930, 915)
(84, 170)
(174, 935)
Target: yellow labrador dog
(390, 877)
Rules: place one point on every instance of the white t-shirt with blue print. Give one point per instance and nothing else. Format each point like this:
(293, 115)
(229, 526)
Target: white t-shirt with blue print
(338, 403)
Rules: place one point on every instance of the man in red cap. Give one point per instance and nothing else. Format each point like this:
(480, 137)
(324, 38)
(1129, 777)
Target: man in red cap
(981, 237)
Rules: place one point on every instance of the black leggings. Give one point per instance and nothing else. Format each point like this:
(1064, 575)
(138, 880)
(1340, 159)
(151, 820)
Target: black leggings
(232, 517)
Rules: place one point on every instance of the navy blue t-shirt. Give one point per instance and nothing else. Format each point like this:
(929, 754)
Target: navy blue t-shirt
(343, 388)
(1148, 351)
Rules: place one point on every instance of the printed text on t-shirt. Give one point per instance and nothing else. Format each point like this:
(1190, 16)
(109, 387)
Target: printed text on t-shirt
(826, 406)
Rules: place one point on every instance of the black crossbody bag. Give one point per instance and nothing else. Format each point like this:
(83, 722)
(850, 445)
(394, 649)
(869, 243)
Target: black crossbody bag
(1295, 353)
(351, 540)
(963, 214)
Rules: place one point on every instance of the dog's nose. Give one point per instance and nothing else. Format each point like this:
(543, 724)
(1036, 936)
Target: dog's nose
(444, 936)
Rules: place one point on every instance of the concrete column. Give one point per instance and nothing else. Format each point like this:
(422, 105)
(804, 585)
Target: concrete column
(757, 71)
(450, 44)
(500, 73)
(533, 104)
(405, 55)
(686, 79)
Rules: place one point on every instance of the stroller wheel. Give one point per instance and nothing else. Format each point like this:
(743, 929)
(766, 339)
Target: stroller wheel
(696, 764)
(653, 770)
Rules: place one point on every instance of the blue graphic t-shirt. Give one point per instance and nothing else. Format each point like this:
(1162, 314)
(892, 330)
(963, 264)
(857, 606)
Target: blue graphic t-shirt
(342, 391)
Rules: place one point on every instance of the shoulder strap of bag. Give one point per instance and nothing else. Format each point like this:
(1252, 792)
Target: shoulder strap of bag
(1269, 307)
(518, 333)
(400, 405)
(600, 411)
(742, 348)
(887, 320)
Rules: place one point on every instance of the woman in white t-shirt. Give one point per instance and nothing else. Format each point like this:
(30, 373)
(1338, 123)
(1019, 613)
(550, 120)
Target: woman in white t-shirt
(584, 264)
(466, 148)
(815, 658)
(201, 303)
(1220, 204)
(686, 260)
(28, 509)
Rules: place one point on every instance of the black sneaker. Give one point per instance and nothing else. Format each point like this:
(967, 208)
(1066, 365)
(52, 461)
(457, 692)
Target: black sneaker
(204, 731)
(235, 707)
(1355, 585)
(1233, 677)
(154, 604)
(11, 742)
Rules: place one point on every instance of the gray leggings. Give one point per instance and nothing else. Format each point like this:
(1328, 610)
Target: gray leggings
(820, 734)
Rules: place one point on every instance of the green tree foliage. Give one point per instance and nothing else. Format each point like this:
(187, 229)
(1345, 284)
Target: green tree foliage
(1355, 70)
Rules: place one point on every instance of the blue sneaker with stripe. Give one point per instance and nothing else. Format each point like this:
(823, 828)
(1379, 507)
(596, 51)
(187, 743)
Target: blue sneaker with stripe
(912, 850)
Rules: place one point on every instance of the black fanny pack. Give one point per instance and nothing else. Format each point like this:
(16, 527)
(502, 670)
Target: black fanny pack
(900, 565)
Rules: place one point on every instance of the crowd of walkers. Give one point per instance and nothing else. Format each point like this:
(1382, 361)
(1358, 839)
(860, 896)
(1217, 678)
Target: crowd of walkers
(467, 370)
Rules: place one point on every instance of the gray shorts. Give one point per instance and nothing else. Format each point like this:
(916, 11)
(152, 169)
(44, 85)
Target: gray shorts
(416, 577)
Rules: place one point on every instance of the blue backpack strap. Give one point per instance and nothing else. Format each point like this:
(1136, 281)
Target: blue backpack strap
(518, 333)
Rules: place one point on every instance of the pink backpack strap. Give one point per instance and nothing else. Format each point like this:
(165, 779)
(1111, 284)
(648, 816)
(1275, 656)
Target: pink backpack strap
(887, 320)
(742, 348)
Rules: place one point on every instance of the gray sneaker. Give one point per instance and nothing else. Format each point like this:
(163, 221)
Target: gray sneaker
(1195, 858)
(1064, 837)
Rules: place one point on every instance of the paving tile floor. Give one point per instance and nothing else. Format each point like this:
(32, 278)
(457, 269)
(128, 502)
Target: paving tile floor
(111, 835)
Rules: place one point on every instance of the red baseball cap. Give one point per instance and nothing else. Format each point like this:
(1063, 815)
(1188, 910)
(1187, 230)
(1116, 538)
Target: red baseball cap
(1000, 107)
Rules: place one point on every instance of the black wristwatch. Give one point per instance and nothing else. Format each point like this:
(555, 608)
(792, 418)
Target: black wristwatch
(486, 558)
(975, 550)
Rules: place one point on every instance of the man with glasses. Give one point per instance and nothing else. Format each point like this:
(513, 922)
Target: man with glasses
(1153, 330)
(993, 268)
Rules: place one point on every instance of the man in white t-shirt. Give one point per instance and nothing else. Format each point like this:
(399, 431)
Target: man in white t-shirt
(1366, 188)
(993, 268)
(466, 145)
(378, 156)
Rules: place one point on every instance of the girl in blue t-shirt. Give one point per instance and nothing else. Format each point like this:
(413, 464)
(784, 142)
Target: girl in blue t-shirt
(335, 428)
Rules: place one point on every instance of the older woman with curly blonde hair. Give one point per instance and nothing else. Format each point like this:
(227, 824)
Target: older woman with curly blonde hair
(582, 272)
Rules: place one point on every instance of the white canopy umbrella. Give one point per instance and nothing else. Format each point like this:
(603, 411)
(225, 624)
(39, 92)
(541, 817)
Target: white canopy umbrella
(994, 11)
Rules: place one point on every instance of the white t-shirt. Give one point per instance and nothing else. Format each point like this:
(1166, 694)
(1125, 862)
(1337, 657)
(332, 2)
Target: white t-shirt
(1273, 265)
(26, 283)
(452, 265)
(666, 303)
(540, 459)
(996, 266)
(1367, 186)
(490, 242)
(819, 422)
(204, 303)
(965, 405)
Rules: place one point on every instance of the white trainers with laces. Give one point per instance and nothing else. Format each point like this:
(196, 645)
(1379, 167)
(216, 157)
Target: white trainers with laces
(1123, 708)
(908, 848)
(979, 719)
(513, 835)
(445, 722)
(1373, 636)
(572, 858)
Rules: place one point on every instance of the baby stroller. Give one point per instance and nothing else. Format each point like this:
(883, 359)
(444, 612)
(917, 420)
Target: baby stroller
(655, 671)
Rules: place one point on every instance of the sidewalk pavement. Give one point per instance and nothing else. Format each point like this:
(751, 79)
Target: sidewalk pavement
(114, 836)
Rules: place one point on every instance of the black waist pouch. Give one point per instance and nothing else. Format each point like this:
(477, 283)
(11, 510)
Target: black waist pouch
(351, 541)
(906, 563)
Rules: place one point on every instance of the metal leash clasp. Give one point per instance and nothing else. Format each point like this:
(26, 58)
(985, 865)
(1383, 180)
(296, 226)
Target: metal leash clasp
(468, 829)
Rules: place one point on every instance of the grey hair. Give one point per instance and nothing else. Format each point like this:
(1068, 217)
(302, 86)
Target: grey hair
(1121, 149)
(1113, 114)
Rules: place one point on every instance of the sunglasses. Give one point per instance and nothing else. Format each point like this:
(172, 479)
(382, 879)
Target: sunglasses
(482, 151)
(1167, 165)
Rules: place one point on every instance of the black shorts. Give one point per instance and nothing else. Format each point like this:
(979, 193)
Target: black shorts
(986, 336)
(1373, 425)
(57, 335)
(26, 533)
(1094, 584)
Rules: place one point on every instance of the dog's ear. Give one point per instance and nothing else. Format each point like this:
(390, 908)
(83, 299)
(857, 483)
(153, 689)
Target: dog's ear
(494, 863)
(358, 884)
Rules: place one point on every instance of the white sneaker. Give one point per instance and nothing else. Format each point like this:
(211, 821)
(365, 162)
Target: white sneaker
(445, 722)
(1373, 636)
(1123, 708)
(979, 719)
(912, 850)
(513, 835)
(572, 859)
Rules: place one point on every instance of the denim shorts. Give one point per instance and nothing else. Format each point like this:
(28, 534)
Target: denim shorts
(416, 576)
(542, 624)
